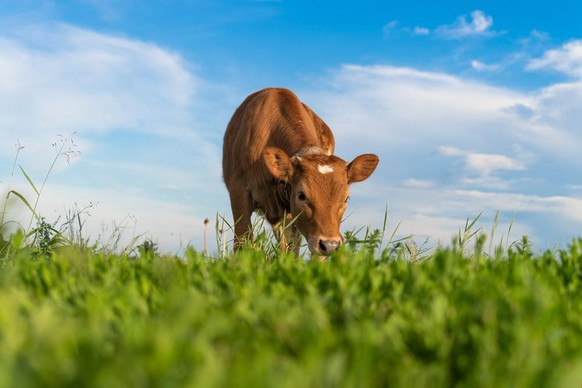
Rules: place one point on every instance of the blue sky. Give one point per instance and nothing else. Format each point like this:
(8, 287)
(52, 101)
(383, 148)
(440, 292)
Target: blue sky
(472, 107)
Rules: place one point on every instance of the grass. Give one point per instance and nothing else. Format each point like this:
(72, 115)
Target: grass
(380, 312)
(81, 318)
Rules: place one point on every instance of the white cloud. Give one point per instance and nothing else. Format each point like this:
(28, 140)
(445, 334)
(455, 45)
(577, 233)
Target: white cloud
(480, 66)
(450, 151)
(395, 27)
(420, 31)
(479, 24)
(398, 106)
(483, 164)
(480, 169)
(60, 79)
(566, 59)
(567, 207)
(555, 121)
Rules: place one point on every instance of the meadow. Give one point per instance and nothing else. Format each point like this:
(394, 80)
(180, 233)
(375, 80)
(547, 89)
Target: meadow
(379, 312)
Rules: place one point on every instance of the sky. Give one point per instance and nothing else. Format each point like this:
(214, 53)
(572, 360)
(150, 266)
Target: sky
(472, 107)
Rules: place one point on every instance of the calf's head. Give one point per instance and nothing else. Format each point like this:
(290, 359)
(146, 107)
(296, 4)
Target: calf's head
(319, 192)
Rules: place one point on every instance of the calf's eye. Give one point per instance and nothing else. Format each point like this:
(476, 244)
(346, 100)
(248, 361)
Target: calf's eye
(301, 196)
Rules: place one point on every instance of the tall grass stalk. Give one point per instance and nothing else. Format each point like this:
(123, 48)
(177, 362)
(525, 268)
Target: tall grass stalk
(110, 241)
(66, 150)
(221, 227)
(467, 234)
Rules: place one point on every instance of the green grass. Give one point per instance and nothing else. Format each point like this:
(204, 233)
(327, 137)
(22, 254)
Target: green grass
(78, 317)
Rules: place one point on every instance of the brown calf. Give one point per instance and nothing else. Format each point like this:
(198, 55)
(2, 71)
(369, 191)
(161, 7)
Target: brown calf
(278, 158)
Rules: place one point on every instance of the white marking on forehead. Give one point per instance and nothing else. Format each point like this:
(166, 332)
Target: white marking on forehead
(324, 169)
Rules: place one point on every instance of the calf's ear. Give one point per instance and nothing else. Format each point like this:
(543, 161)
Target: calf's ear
(362, 167)
(278, 163)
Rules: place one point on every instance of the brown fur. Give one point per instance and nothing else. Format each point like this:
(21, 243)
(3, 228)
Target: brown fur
(270, 160)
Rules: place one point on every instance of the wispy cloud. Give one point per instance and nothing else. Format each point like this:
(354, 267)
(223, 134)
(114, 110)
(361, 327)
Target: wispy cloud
(484, 164)
(479, 24)
(485, 170)
(566, 59)
(420, 31)
(397, 106)
(539, 35)
(390, 27)
(394, 27)
(437, 107)
(485, 67)
(568, 207)
(60, 79)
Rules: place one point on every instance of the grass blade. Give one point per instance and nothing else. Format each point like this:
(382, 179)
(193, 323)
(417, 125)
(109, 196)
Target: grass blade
(29, 180)
(24, 200)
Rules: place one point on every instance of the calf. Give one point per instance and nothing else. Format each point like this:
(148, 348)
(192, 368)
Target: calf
(278, 158)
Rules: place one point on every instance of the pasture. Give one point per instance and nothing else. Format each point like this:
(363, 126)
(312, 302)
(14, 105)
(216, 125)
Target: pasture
(370, 315)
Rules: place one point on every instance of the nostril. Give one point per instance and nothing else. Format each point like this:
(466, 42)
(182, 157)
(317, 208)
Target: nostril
(322, 246)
